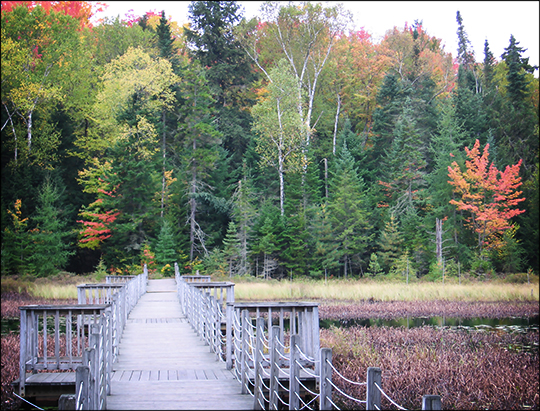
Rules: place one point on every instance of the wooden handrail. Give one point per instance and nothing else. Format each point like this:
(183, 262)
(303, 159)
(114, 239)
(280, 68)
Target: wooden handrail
(90, 332)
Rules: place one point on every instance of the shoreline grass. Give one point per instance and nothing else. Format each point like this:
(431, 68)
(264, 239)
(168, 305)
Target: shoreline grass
(369, 290)
(64, 286)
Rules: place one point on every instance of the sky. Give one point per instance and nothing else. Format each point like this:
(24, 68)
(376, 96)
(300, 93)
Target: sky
(492, 20)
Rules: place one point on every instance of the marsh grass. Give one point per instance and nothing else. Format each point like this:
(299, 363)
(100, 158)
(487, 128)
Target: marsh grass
(357, 290)
(59, 287)
(469, 370)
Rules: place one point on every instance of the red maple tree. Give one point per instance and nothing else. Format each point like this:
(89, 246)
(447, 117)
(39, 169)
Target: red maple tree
(489, 195)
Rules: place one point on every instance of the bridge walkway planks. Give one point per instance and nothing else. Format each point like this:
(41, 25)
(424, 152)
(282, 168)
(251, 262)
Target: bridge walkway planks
(163, 364)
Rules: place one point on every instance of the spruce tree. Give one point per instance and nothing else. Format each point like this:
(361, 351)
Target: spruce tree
(133, 180)
(244, 214)
(349, 213)
(165, 249)
(231, 247)
(51, 248)
(390, 243)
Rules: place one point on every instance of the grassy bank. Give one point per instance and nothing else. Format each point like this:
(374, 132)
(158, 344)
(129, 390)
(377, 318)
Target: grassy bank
(358, 290)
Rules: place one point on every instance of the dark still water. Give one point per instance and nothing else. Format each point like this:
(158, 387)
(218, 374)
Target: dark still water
(512, 324)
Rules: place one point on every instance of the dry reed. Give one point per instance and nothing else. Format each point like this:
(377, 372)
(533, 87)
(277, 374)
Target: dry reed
(468, 370)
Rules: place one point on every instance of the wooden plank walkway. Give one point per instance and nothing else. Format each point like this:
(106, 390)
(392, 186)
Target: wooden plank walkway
(163, 364)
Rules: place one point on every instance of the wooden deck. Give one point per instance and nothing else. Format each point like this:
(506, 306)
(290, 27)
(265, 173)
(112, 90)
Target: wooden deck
(163, 364)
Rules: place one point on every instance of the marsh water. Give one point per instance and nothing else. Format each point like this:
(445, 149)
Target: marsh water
(510, 324)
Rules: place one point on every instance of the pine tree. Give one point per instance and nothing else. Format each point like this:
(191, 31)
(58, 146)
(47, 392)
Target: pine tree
(50, 248)
(16, 242)
(390, 243)
(405, 164)
(164, 38)
(134, 175)
(349, 213)
(231, 247)
(165, 249)
(228, 71)
(323, 245)
(244, 214)
(518, 67)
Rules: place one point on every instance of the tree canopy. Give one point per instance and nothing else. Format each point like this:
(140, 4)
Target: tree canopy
(284, 145)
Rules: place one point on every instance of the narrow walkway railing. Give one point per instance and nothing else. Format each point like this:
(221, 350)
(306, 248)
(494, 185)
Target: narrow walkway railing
(83, 338)
(274, 350)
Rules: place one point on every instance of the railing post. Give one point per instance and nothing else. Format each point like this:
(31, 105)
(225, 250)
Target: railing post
(274, 368)
(373, 394)
(325, 379)
(244, 356)
(257, 377)
(228, 336)
(294, 372)
(431, 402)
(82, 381)
(89, 358)
(23, 337)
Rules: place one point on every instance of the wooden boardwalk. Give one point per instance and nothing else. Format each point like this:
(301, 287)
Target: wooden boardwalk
(163, 364)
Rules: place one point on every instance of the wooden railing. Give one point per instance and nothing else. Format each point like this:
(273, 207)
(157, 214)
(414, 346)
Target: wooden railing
(83, 338)
(273, 349)
(62, 330)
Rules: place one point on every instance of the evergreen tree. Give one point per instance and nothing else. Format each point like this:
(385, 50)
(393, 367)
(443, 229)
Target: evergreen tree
(16, 242)
(231, 247)
(228, 71)
(390, 243)
(467, 95)
(405, 164)
(518, 67)
(323, 245)
(165, 249)
(50, 248)
(133, 179)
(349, 215)
(164, 38)
(244, 214)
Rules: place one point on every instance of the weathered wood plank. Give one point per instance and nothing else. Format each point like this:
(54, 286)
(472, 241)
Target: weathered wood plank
(163, 364)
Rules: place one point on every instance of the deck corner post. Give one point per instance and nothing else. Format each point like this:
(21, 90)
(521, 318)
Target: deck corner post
(82, 380)
(373, 394)
(23, 353)
(294, 373)
(325, 382)
(274, 367)
(431, 402)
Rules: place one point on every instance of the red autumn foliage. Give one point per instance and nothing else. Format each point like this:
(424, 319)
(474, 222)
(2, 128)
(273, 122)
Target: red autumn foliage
(81, 10)
(489, 195)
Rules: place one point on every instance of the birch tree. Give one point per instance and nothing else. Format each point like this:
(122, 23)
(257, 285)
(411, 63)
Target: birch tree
(279, 127)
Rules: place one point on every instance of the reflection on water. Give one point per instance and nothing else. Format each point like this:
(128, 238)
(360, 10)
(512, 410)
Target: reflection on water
(512, 324)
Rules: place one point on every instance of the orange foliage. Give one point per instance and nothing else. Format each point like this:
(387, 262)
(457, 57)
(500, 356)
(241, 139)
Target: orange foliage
(488, 194)
(80, 10)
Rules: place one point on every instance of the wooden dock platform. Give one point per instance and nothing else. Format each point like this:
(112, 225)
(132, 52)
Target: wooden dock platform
(163, 364)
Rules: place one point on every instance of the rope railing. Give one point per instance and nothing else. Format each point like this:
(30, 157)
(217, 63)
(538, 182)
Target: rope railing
(388, 398)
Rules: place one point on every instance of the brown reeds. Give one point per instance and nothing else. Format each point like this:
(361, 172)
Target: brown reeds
(398, 309)
(469, 370)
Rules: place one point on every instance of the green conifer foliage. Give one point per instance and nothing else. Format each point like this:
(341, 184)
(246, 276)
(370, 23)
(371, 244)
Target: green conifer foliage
(232, 248)
(348, 213)
(165, 249)
(50, 246)
(390, 243)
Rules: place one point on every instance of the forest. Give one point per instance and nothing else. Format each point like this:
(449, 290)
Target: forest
(278, 147)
